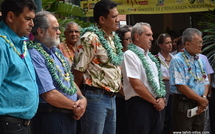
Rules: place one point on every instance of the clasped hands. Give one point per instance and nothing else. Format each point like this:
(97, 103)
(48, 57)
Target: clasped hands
(160, 104)
(79, 108)
(202, 105)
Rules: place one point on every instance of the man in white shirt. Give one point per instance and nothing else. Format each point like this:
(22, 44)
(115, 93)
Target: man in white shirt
(143, 86)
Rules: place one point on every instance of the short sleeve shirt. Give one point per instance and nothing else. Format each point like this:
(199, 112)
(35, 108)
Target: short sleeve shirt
(180, 75)
(92, 59)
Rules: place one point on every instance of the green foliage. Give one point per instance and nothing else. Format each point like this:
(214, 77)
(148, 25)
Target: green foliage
(209, 38)
(65, 12)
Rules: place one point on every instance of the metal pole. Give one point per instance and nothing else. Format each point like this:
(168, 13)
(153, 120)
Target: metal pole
(39, 5)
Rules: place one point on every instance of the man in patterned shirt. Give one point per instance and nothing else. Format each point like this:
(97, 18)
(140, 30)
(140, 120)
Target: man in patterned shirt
(189, 82)
(96, 64)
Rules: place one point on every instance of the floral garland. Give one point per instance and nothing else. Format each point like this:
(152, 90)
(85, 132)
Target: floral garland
(159, 91)
(53, 69)
(163, 63)
(190, 69)
(115, 57)
(14, 48)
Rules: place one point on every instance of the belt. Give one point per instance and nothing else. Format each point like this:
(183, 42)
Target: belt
(47, 108)
(103, 91)
(6, 118)
(184, 98)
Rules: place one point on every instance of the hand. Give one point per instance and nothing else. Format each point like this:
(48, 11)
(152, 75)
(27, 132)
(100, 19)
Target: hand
(200, 109)
(81, 107)
(160, 104)
(203, 102)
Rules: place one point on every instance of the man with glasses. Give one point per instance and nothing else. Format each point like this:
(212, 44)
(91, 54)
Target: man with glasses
(72, 34)
(61, 102)
(189, 84)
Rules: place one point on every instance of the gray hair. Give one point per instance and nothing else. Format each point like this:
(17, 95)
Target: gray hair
(138, 28)
(72, 23)
(41, 21)
(189, 33)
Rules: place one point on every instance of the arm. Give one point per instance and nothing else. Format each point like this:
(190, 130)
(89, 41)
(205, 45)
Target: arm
(141, 89)
(202, 102)
(57, 99)
(78, 77)
(81, 105)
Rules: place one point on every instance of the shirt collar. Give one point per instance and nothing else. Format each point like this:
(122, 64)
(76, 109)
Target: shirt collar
(11, 35)
(189, 56)
(145, 52)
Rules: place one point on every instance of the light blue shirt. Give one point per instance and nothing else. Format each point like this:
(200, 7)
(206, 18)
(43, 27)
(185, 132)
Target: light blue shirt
(18, 88)
(44, 79)
(179, 74)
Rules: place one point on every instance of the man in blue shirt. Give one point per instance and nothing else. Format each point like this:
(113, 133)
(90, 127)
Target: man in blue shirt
(61, 102)
(189, 82)
(18, 88)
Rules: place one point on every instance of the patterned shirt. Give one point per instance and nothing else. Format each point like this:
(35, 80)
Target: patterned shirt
(18, 88)
(180, 75)
(92, 59)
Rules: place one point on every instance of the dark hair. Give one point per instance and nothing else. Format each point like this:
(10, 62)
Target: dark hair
(179, 42)
(161, 38)
(102, 9)
(41, 21)
(16, 6)
(121, 32)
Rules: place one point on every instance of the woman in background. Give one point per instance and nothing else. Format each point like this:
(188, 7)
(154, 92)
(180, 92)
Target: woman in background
(164, 41)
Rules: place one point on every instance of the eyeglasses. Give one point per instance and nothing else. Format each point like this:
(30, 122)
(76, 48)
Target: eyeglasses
(55, 28)
(197, 42)
(71, 31)
(128, 39)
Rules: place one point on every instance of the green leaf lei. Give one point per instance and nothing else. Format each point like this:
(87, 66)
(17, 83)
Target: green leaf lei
(115, 57)
(53, 68)
(159, 91)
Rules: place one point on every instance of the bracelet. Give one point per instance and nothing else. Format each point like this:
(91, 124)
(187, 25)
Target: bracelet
(204, 96)
(81, 97)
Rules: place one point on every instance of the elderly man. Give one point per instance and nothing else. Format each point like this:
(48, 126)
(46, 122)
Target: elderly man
(144, 89)
(72, 34)
(188, 80)
(18, 90)
(61, 102)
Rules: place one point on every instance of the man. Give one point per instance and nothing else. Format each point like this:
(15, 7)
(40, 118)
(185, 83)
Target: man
(189, 81)
(142, 83)
(72, 34)
(97, 65)
(18, 90)
(58, 108)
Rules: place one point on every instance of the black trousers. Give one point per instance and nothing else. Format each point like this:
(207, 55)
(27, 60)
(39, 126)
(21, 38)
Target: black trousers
(13, 128)
(53, 123)
(142, 117)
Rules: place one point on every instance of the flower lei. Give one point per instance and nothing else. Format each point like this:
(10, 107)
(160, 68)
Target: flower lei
(190, 69)
(53, 69)
(115, 57)
(159, 91)
(162, 62)
(14, 48)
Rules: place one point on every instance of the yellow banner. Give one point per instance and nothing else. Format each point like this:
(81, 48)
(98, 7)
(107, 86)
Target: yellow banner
(154, 6)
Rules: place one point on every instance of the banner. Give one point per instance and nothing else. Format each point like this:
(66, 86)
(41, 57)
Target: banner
(153, 6)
